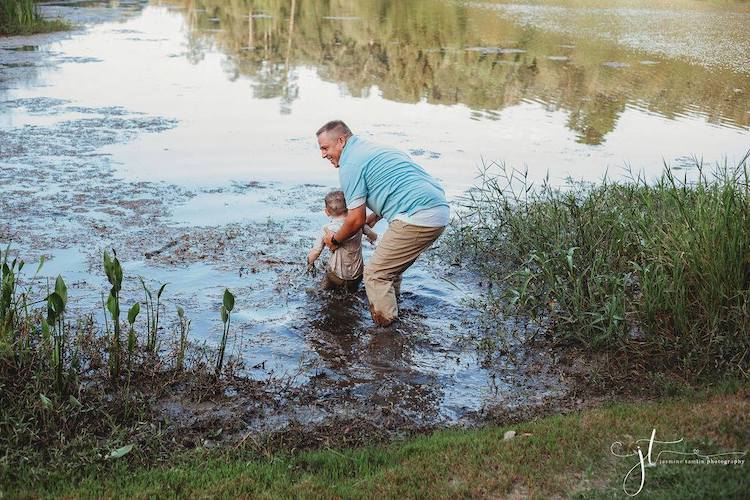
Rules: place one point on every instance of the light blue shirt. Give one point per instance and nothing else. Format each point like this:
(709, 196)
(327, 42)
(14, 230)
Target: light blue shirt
(386, 179)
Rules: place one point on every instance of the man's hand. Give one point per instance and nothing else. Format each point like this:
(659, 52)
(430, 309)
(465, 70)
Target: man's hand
(327, 239)
(354, 221)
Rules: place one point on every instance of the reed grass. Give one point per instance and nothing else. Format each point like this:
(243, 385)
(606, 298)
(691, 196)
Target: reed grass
(21, 17)
(659, 270)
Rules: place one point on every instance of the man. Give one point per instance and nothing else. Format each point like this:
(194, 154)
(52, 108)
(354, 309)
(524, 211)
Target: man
(390, 184)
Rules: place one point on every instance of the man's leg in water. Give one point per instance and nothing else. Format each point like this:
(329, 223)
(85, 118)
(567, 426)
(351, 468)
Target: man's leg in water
(400, 246)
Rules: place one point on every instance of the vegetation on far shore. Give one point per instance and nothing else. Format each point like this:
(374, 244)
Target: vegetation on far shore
(22, 17)
(655, 273)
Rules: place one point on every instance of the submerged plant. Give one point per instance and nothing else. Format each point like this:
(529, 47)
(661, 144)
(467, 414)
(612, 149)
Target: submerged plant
(226, 310)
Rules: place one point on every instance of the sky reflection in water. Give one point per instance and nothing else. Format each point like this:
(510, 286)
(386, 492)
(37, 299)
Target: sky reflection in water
(451, 83)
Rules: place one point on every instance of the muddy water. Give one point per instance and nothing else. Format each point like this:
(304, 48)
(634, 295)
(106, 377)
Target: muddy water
(187, 127)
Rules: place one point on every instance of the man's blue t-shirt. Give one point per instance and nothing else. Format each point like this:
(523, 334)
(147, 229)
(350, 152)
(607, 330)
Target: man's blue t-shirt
(387, 179)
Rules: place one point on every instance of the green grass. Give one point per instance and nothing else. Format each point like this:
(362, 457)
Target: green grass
(21, 17)
(657, 271)
(559, 455)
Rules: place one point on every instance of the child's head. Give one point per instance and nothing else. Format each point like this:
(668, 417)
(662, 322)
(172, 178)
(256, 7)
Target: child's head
(335, 204)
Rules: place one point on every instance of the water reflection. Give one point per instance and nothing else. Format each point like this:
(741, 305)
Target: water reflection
(457, 53)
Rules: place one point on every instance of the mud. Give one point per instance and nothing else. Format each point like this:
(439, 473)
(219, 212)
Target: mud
(307, 365)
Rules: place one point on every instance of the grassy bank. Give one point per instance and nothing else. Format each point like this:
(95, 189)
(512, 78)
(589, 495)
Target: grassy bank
(558, 455)
(657, 273)
(21, 17)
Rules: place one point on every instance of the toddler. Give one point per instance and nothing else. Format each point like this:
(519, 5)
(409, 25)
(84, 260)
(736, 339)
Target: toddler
(345, 266)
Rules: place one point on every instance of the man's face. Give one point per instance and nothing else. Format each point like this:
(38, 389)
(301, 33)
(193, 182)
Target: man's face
(331, 148)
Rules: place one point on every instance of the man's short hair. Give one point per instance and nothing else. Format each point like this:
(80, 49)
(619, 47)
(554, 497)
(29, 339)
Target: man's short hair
(335, 128)
(336, 203)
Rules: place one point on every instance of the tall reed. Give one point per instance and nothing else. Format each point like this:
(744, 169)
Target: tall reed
(662, 268)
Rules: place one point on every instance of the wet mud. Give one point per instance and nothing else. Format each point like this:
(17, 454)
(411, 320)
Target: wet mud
(306, 363)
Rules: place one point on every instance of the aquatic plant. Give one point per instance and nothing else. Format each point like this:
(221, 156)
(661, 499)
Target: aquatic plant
(7, 299)
(113, 271)
(152, 314)
(56, 302)
(226, 310)
(657, 270)
(132, 338)
(184, 325)
(22, 17)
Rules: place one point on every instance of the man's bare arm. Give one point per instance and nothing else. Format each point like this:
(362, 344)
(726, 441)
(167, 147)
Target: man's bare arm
(354, 221)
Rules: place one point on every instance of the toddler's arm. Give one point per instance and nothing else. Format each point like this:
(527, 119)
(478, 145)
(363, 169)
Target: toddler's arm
(371, 235)
(315, 252)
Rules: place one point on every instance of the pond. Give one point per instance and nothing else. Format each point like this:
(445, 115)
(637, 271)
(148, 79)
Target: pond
(184, 130)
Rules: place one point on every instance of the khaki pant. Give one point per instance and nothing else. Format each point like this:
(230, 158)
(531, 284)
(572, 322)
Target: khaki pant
(399, 247)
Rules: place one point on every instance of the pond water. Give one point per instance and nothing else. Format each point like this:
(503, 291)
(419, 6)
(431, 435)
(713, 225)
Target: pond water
(191, 122)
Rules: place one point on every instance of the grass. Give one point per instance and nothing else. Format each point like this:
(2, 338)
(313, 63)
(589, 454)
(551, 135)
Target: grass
(21, 17)
(658, 273)
(558, 455)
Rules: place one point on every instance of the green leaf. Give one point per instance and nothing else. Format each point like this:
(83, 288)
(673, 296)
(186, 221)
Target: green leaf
(569, 258)
(158, 294)
(228, 300)
(145, 288)
(224, 314)
(117, 274)
(74, 401)
(45, 330)
(55, 307)
(61, 289)
(120, 452)
(133, 313)
(42, 260)
(180, 312)
(113, 306)
(46, 402)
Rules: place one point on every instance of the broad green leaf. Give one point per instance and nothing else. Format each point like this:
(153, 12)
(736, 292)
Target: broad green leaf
(120, 452)
(113, 306)
(224, 314)
(161, 289)
(74, 401)
(55, 307)
(61, 289)
(180, 312)
(133, 313)
(228, 300)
